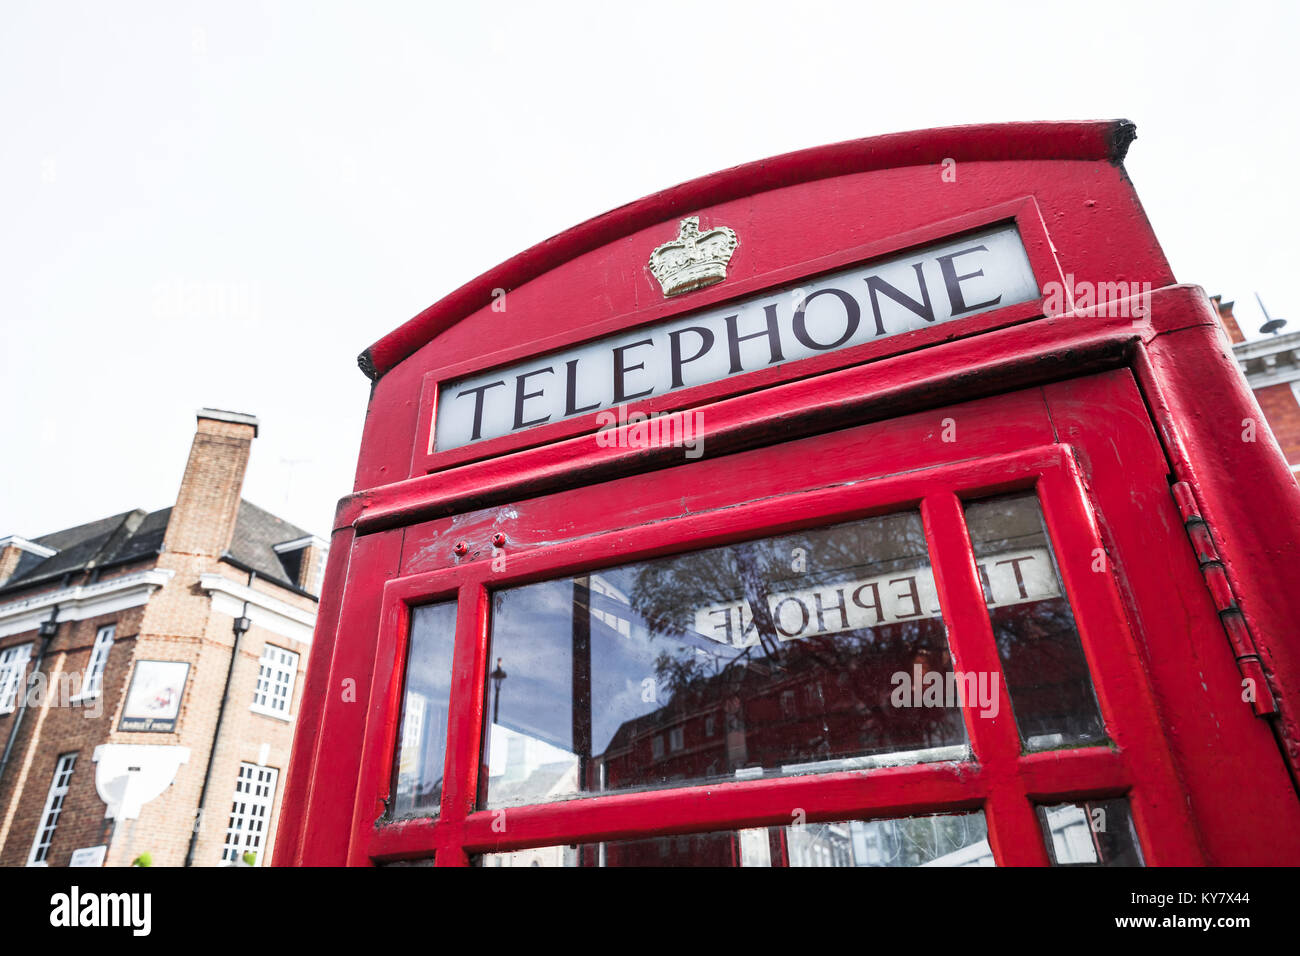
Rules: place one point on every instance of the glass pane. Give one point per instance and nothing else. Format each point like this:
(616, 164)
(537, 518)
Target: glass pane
(422, 740)
(1090, 833)
(781, 656)
(957, 839)
(941, 840)
(1042, 660)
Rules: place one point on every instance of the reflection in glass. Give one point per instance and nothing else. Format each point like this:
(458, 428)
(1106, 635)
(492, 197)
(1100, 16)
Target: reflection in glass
(1046, 673)
(422, 739)
(941, 840)
(1090, 833)
(422, 861)
(765, 658)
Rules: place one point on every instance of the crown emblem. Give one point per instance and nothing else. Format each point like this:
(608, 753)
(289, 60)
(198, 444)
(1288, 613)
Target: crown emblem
(694, 259)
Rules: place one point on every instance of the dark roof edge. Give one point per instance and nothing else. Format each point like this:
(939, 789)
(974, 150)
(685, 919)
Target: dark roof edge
(1106, 140)
(1122, 134)
(234, 562)
(17, 586)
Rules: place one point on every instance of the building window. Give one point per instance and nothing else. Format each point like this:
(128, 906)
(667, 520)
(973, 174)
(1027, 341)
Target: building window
(250, 814)
(94, 680)
(677, 739)
(53, 807)
(276, 672)
(13, 664)
(657, 746)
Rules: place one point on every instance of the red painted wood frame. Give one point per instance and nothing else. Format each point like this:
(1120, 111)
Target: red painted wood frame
(1022, 212)
(1018, 445)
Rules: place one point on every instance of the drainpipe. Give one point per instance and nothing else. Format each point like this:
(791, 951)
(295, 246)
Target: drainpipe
(47, 631)
(240, 625)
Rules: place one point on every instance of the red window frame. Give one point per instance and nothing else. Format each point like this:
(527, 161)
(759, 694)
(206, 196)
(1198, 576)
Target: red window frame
(998, 778)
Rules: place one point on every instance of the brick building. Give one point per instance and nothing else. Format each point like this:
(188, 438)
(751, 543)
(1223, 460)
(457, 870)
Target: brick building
(1272, 367)
(116, 642)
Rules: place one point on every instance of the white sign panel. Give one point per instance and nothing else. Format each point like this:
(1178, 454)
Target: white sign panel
(88, 856)
(928, 286)
(1014, 577)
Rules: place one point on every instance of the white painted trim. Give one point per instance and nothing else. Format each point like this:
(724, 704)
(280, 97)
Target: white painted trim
(1269, 344)
(221, 415)
(1270, 348)
(1281, 375)
(17, 541)
(268, 712)
(297, 544)
(228, 597)
(82, 601)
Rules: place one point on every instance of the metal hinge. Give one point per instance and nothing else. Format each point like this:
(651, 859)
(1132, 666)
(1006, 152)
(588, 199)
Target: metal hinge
(1216, 579)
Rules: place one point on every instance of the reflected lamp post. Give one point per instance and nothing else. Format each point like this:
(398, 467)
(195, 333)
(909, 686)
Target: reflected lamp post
(497, 676)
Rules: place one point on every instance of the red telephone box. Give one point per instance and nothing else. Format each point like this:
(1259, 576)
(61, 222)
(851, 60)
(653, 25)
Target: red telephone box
(884, 503)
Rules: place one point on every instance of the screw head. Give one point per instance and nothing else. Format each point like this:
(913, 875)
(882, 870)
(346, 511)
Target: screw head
(498, 540)
(461, 548)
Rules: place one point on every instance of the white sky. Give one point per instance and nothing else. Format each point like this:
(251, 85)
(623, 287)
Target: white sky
(222, 204)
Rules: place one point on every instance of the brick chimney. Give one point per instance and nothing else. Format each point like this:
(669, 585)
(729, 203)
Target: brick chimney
(203, 519)
(9, 556)
(1229, 321)
(313, 563)
(12, 550)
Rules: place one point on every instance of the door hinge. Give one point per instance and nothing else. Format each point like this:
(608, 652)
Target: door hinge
(1216, 579)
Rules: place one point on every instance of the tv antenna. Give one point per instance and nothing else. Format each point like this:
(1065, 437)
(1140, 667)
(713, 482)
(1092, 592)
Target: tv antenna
(1271, 324)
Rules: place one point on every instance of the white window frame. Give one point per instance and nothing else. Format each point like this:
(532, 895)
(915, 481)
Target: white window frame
(249, 827)
(13, 668)
(60, 784)
(92, 683)
(277, 676)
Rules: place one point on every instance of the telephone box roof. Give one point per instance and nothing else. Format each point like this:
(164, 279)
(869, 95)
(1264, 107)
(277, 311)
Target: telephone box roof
(1098, 140)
